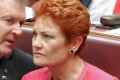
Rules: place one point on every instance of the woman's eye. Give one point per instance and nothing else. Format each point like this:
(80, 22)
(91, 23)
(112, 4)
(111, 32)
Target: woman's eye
(48, 36)
(21, 23)
(34, 33)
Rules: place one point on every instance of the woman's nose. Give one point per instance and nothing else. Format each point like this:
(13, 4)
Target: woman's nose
(37, 43)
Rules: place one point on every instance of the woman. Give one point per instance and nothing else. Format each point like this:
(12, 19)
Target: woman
(60, 32)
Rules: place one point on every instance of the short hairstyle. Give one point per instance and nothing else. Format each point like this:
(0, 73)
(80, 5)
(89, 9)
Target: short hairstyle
(71, 16)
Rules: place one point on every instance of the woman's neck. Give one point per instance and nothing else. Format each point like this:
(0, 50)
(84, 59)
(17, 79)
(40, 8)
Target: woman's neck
(71, 69)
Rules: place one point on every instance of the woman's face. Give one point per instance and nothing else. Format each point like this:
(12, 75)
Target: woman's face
(49, 44)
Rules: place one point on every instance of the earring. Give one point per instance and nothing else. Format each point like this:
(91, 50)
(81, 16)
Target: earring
(71, 51)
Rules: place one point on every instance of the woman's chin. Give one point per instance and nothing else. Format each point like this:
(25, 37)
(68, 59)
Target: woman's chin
(38, 62)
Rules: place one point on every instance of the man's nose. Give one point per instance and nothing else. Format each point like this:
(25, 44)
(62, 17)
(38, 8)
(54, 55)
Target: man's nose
(17, 29)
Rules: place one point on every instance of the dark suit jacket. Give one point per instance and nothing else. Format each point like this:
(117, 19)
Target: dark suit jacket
(14, 67)
(86, 3)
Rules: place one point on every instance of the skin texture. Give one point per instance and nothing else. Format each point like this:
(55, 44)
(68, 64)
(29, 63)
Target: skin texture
(10, 23)
(46, 49)
(51, 49)
(60, 31)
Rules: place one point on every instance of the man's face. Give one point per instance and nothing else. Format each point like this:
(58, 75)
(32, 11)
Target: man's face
(12, 14)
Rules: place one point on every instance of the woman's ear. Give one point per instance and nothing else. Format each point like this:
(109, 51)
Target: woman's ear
(76, 43)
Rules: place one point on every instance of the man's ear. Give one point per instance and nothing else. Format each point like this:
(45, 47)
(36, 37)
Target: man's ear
(76, 43)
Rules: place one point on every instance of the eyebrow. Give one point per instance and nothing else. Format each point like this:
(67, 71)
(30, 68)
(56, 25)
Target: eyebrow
(48, 32)
(10, 16)
(4, 16)
(43, 32)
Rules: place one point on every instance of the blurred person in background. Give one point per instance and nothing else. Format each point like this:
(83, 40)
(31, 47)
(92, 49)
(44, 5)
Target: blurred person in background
(99, 8)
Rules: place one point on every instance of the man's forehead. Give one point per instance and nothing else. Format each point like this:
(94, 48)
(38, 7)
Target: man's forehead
(10, 7)
(7, 3)
(11, 2)
(7, 9)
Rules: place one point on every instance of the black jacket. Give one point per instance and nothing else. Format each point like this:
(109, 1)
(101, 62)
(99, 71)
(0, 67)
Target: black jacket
(86, 3)
(14, 67)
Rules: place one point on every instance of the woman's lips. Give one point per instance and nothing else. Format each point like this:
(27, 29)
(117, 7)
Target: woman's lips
(37, 53)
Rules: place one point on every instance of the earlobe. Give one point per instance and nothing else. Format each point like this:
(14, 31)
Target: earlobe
(76, 43)
(71, 51)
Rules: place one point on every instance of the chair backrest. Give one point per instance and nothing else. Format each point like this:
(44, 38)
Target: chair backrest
(25, 41)
(101, 52)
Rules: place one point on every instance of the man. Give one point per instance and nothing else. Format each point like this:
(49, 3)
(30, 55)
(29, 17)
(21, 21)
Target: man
(14, 63)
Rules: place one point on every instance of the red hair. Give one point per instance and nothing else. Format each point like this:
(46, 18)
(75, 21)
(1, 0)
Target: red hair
(70, 15)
